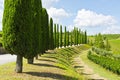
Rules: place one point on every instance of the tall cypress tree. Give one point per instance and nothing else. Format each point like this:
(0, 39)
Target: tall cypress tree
(44, 30)
(68, 38)
(18, 30)
(65, 33)
(85, 37)
(71, 37)
(79, 36)
(55, 38)
(51, 39)
(61, 36)
(36, 22)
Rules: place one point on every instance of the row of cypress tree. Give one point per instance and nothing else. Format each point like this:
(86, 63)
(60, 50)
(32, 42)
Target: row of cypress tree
(66, 38)
(27, 31)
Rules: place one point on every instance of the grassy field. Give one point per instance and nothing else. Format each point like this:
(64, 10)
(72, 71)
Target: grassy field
(98, 69)
(54, 65)
(115, 45)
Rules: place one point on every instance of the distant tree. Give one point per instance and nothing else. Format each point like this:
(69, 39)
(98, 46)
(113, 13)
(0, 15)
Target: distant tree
(51, 39)
(85, 37)
(79, 36)
(44, 31)
(61, 36)
(67, 38)
(99, 41)
(71, 37)
(107, 46)
(65, 33)
(55, 38)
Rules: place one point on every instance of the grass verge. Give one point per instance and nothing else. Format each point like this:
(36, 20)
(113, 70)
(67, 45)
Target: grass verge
(55, 65)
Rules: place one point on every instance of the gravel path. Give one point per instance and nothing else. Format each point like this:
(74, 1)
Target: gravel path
(83, 69)
(6, 58)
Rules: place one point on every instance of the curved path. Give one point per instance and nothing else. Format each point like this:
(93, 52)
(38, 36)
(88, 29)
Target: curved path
(84, 69)
(6, 58)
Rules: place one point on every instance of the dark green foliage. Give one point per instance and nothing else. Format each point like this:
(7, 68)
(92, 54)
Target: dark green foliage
(65, 33)
(55, 41)
(108, 63)
(57, 37)
(51, 39)
(37, 26)
(71, 39)
(61, 36)
(44, 31)
(17, 27)
(67, 38)
(85, 37)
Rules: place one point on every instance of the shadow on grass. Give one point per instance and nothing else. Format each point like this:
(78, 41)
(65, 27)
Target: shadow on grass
(52, 57)
(46, 60)
(48, 65)
(78, 66)
(51, 75)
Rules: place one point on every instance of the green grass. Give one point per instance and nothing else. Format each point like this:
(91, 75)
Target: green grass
(98, 69)
(50, 66)
(115, 46)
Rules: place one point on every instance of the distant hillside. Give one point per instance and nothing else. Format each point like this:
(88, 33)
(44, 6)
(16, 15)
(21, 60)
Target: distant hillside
(115, 45)
(111, 36)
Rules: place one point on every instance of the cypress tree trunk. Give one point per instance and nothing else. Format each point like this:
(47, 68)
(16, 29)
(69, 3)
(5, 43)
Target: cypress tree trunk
(19, 64)
(36, 56)
(30, 60)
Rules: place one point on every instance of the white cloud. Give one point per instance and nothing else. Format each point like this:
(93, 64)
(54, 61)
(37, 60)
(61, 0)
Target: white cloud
(48, 3)
(87, 18)
(112, 30)
(57, 14)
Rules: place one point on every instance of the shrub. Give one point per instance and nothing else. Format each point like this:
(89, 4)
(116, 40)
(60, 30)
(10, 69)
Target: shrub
(108, 63)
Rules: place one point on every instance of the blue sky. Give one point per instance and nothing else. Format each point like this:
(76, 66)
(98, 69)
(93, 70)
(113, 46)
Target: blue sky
(92, 15)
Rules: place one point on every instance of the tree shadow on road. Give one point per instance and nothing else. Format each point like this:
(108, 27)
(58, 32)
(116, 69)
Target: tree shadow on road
(51, 75)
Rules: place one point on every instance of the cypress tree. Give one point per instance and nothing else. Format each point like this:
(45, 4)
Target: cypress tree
(36, 22)
(57, 37)
(77, 36)
(65, 37)
(51, 39)
(68, 38)
(55, 41)
(44, 30)
(71, 41)
(61, 36)
(85, 37)
(18, 29)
